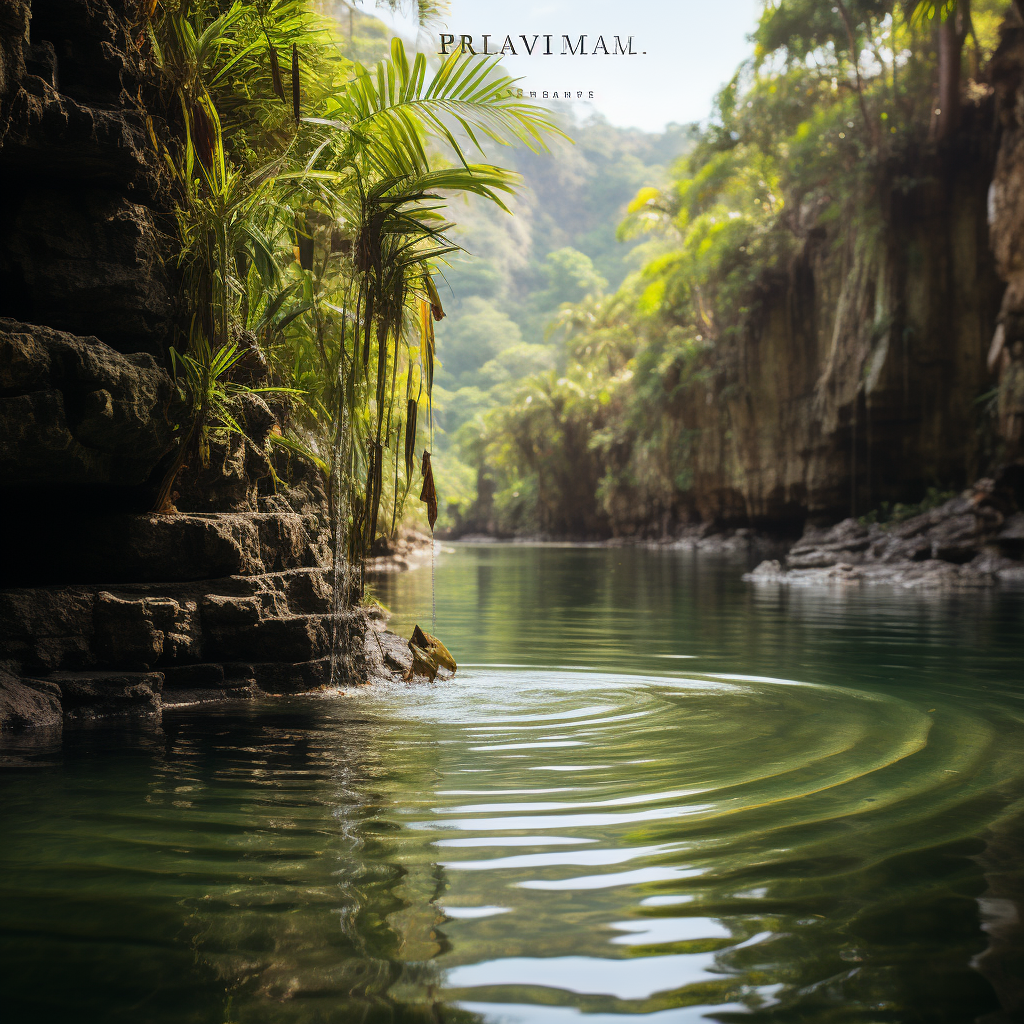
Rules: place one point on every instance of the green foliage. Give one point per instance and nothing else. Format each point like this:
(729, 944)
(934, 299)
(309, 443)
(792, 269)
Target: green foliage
(478, 335)
(311, 219)
(570, 277)
(560, 248)
(806, 27)
(892, 513)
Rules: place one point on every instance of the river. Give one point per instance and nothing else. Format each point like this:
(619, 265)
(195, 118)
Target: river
(652, 793)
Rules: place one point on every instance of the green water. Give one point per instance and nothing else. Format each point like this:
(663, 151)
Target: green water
(652, 794)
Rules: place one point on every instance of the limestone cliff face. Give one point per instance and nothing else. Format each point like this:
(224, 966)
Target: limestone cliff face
(886, 358)
(1006, 200)
(108, 608)
(80, 245)
(856, 380)
(86, 301)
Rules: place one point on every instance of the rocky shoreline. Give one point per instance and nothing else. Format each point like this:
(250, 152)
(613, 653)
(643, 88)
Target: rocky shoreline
(411, 549)
(74, 653)
(971, 541)
(704, 537)
(108, 611)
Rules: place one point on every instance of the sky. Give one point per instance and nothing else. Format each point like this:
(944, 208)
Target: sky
(685, 50)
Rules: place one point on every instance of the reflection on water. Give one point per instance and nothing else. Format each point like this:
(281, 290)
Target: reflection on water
(681, 799)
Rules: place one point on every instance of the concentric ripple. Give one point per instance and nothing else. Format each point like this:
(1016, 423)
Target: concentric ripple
(639, 843)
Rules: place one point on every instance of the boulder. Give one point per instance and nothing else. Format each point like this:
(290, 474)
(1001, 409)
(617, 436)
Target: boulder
(28, 703)
(844, 542)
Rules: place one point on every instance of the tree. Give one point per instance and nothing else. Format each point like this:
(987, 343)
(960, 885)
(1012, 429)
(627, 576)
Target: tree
(953, 19)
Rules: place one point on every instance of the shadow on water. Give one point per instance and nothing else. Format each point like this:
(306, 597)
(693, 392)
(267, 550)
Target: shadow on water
(652, 793)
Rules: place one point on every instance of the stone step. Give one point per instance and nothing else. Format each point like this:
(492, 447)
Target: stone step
(188, 696)
(283, 677)
(208, 675)
(76, 628)
(87, 695)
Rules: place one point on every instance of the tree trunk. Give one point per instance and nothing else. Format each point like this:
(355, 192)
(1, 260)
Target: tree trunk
(951, 41)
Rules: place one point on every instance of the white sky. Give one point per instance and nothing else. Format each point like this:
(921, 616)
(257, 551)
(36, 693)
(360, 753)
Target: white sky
(692, 48)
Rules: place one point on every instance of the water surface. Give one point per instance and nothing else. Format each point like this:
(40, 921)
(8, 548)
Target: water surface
(652, 794)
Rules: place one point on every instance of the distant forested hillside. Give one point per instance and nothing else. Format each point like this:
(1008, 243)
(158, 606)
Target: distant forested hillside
(504, 297)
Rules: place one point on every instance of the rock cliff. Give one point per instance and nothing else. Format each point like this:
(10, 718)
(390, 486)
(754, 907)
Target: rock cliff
(884, 358)
(856, 378)
(110, 609)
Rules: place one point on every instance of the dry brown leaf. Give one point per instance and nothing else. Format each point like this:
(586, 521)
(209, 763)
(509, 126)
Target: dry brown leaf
(428, 494)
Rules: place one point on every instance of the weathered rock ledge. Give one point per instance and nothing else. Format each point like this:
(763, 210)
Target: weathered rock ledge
(76, 411)
(113, 612)
(78, 652)
(974, 540)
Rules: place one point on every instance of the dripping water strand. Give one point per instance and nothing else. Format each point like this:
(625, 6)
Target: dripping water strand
(339, 588)
(433, 588)
(340, 583)
(853, 456)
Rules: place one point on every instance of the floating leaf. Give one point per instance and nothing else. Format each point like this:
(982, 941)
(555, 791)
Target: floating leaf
(428, 655)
